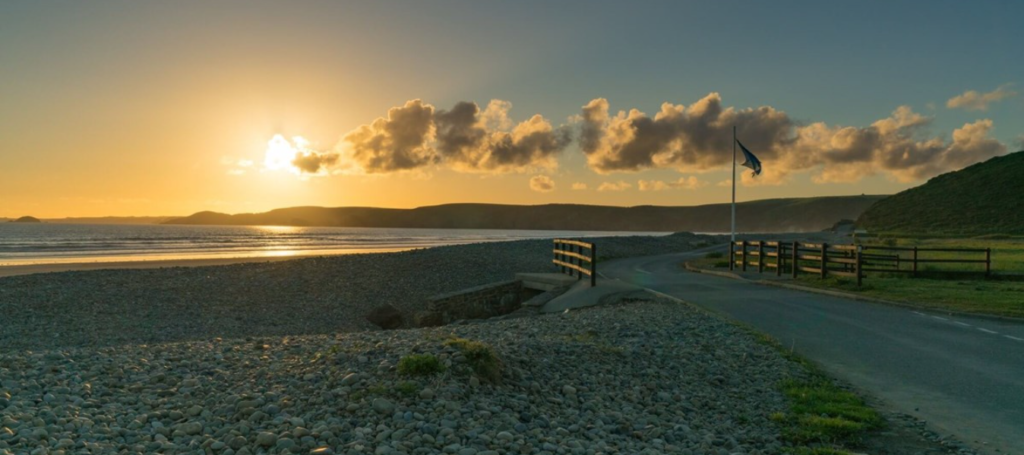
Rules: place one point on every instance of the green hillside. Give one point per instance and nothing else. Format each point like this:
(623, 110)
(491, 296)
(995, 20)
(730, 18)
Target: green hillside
(770, 215)
(986, 198)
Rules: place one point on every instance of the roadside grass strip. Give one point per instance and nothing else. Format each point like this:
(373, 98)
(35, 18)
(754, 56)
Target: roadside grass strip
(823, 419)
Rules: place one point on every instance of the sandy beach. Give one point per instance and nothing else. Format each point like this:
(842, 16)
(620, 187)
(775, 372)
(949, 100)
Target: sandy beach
(151, 263)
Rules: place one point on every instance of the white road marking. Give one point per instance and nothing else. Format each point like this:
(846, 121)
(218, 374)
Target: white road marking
(1014, 338)
(919, 313)
(961, 323)
(941, 319)
(988, 331)
(638, 269)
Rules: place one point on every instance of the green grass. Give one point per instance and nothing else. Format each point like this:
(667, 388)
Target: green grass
(820, 413)
(420, 365)
(480, 357)
(1002, 295)
(999, 298)
(1007, 254)
(407, 388)
(822, 419)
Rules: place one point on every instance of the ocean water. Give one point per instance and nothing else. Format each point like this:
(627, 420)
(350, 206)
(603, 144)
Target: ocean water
(45, 243)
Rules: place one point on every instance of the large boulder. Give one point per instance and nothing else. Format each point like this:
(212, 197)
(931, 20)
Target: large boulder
(386, 317)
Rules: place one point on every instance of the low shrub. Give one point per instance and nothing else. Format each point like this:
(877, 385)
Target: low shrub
(420, 365)
(480, 357)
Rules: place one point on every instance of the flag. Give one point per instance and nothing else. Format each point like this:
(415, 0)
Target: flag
(752, 161)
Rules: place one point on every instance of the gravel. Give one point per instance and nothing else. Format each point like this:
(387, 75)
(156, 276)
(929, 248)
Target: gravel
(305, 296)
(646, 376)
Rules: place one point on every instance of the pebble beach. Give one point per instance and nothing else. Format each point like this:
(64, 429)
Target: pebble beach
(276, 358)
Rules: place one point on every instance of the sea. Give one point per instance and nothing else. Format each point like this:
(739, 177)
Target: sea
(51, 243)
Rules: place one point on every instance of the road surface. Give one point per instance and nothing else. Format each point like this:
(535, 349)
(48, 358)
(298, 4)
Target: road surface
(963, 375)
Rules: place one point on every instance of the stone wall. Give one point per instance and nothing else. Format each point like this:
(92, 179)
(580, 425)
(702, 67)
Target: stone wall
(481, 302)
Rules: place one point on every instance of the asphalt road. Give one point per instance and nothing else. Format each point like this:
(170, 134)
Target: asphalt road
(963, 375)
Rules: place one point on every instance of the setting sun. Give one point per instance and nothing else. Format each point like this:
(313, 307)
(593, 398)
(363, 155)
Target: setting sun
(281, 153)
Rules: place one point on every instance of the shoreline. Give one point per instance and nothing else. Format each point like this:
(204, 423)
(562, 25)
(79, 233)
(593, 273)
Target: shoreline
(141, 262)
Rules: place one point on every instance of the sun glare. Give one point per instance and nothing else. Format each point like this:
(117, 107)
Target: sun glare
(281, 153)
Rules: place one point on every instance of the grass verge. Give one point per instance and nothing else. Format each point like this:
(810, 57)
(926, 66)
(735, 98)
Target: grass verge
(823, 418)
(999, 298)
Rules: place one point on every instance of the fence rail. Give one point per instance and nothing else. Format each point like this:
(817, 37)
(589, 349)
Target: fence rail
(569, 257)
(843, 260)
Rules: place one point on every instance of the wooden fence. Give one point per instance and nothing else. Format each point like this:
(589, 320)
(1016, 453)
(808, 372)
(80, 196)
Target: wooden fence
(850, 261)
(569, 257)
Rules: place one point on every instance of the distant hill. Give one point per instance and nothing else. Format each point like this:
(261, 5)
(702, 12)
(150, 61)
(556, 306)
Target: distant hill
(770, 215)
(112, 220)
(986, 198)
(26, 219)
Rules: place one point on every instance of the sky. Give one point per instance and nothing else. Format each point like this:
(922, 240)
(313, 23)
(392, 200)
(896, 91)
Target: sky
(125, 108)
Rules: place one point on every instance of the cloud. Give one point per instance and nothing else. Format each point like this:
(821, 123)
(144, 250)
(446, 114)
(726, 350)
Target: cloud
(687, 183)
(465, 138)
(313, 162)
(698, 138)
(398, 142)
(614, 186)
(579, 186)
(889, 145)
(972, 100)
(1020, 142)
(471, 140)
(542, 184)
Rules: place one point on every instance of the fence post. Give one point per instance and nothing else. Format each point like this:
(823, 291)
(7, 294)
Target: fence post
(915, 262)
(796, 258)
(579, 262)
(824, 260)
(780, 251)
(856, 268)
(760, 256)
(558, 247)
(988, 261)
(743, 255)
(593, 264)
(732, 255)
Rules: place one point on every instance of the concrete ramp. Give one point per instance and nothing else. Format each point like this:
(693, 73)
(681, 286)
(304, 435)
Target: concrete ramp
(547, 281)
(582, 295)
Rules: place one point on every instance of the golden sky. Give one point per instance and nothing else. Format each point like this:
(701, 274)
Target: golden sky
(132, 109)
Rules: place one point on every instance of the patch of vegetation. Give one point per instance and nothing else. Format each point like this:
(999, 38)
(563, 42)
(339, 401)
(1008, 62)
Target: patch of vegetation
(420, 365)
(1000, 298)
(823, 419)
(407, 388)
(714, 255)
(822, 413)
(480, 357)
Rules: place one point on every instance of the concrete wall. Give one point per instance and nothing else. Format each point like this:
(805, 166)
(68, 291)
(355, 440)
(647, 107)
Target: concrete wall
(481, 302)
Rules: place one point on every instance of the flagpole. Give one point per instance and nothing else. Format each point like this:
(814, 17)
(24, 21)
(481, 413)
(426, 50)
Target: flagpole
(734, 183)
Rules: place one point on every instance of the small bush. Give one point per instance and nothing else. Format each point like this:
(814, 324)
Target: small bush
(721, 264)
(714, 255)
(480, 357)
(420, 365)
